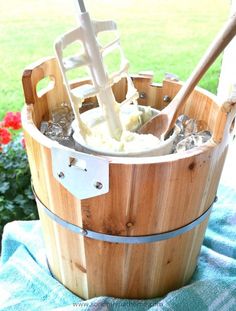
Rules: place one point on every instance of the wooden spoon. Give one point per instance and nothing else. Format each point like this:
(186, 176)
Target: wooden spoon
(161, 124)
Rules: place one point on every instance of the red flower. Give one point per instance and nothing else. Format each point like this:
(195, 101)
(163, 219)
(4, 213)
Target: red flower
(5, 136)
(12, 120)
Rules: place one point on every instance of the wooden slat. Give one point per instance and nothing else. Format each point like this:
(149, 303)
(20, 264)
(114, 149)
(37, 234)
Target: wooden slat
(151, 197)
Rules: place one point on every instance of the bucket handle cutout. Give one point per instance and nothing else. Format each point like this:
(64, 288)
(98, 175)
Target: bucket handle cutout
(37, 72)
(45, 85)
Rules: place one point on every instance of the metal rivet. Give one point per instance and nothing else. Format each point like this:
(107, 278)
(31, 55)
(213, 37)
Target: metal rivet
(84, 232)
(61, 175)
(166, 99)
(142, 95)
(98, 185)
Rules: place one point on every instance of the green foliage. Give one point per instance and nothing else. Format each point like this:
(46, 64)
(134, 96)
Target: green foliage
(16, 198)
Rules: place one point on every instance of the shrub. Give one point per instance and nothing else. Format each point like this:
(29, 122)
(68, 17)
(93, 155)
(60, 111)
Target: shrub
(16, 198)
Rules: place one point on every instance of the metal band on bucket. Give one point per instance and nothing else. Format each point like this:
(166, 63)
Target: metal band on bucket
(123, 239)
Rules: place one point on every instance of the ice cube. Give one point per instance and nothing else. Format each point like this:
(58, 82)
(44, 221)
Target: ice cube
(44, 127)
(194, 126)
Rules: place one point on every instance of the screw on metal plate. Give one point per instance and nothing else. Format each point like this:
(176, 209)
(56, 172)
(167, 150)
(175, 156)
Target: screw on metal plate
(61, 175)
(166, 99)
(142, 95)
(98, 185)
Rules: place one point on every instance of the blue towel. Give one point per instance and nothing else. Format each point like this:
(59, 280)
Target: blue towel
(26, 282)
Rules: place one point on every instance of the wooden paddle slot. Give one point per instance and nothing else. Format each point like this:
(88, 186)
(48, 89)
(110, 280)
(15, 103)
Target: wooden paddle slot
(112, 61)
(102, 213)
(81, 164)
(105, 38)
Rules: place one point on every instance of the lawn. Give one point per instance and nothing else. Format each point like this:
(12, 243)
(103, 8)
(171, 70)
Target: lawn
(159, 35)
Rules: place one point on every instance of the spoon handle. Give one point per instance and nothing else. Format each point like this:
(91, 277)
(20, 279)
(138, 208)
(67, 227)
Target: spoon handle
(217, 46)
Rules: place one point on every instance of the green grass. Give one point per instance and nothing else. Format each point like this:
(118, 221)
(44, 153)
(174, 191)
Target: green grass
(159, 35)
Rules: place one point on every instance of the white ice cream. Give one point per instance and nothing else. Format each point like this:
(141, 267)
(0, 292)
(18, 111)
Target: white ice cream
(99, 137)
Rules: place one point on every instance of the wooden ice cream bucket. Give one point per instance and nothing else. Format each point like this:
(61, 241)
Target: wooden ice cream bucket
(140, 232)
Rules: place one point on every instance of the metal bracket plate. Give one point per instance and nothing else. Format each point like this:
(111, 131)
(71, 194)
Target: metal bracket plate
(83, 175)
